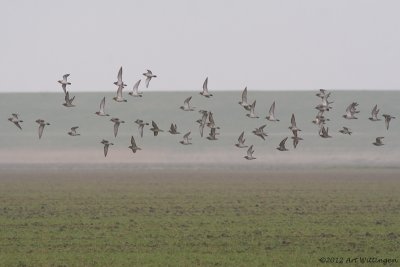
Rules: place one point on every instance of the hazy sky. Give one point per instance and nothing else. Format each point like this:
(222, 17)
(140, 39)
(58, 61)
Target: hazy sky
(265, 45)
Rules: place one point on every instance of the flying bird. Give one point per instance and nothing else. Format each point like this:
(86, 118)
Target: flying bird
(378, 141)
(213, 134)
(203, 122)
(252, 114)
(149, 75)
(324, 132)
(281, 146)
(374, 114)
(295, 138)
(186, 139)
(133, 145)
(350, 111)
(244, 103)
(141, 124)
(345, 130)
(241, 140)
(293, 125)
(73, 131)
(173, 129)
(64, 83)
(205, 89)
(41, 123)
(155, 128)
(135, 91)
(102, 105)
(106, 145)
(14, 119)
(260, 132)
(119, 97)
(68, 101)
(250, 152)
(387, 120)
(271, 116)
(119, 81)
(116, 122)
(186, 105)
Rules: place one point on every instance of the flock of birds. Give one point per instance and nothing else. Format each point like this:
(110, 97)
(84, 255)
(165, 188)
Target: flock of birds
(207, 119)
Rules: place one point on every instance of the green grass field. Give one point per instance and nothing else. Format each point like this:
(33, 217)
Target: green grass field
(183, 218)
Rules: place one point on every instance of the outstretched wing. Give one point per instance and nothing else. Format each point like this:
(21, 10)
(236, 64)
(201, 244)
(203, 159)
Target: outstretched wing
(102, 104)
(282, 143)
(272, 110)
(205, 86)
(116, 126)
(136, 86)
(244, 95)
(186, 102)
(148, 81)
(41, 127)
(119, 76)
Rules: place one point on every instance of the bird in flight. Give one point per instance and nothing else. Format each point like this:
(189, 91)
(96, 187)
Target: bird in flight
(281, 146)
(116, 122)
(101, 112)
(14, 119)
(155, 128)
(241, 140)
(106, 145)
(149, 75)
(119, 81)
(73, 131)
(186, 139)
(133, 145)
(250, 152)
(64, 82)
(387, 120)
(135, 91)
(205, 89)
(271, 116)
(378, 141)
(68, 101)
(41, 123)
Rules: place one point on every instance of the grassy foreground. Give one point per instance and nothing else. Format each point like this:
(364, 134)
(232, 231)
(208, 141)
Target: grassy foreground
(183, 218)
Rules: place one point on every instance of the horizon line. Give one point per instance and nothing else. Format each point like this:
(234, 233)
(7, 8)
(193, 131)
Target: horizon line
(217, 90)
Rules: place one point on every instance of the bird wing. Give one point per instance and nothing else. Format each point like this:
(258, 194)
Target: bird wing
(119, 76)
(282, 143)
(374, 113)
(136, 86)
(154, 125)
(119, 91)
(211, 118)
(293, 121)
(17, 124)
(186, 102)
(106, 149)
(240, 139)
(272, 110)
(205, 86)
(244, 95)
(250, 151)
(116, 125)
(133, 143)
(41, 127)
(141, 129)
(65, 76)
(148, 81)
(387, 120)
(102, 104)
